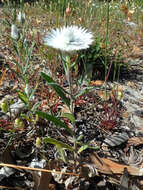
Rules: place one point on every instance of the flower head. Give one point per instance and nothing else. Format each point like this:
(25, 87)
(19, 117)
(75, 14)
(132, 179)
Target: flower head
(14, 32)
(70, 38)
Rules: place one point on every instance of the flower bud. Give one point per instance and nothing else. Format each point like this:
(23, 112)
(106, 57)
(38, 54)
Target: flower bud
(130, 14)
(4, 107)
(80, 19)
(68, 10)
(21, 17)
(38, 142)
(119, 95)
(14, 32)
(125, 9)
(102, 45)
(18, 123)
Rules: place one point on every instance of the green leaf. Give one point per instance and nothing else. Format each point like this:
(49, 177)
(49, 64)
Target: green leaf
(14, 15)
(54, 120)
(16, 50)
(62, 153)
(74, 63)
(60, 147)
(33, 91)
(25, 117)
(6, 21)
(69, 116)
(94, 147)
(29, 52)
(57, 143)
(35, 106)
(80, 138)
(23, 97)
(82, 148)
(59, 90)
(85, 90)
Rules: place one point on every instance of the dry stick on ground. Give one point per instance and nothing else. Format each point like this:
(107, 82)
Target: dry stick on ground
(15, 188)
(38, 169)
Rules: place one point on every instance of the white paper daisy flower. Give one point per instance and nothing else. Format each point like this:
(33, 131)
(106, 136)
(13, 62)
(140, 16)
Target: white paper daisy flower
(70, 38)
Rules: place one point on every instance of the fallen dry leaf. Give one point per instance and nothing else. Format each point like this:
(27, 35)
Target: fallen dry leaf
(131, 84)
(44, 180)
(107, 166)
(135, 141)
(99, 164)
(103, 95)
(96, 83)
(7, 156)
(125, 114)
(3, 76)
(137, 51)
(119, 168)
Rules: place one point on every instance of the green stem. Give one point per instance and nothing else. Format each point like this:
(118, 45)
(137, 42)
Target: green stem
(69, 80)
(106, 43)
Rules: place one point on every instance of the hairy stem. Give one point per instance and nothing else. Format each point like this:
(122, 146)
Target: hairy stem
(70, 83)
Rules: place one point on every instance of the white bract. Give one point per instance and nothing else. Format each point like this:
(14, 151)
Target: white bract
(70, 38)
(14, 32)
(21, 17)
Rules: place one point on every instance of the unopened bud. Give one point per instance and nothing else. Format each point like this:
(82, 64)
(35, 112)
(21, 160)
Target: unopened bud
(38, 142)
(18, 123)
(4, 107)
(102, 45)
(21, 17)
(68, 10)
(14, 32)
(80, 19)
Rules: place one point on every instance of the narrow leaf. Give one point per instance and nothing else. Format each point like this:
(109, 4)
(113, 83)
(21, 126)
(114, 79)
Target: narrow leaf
(28, 58)
(69, 116)
(57, 143)
(54, 120)
(18, 66)
(59, 90)
(85, 90)
(16, 50)
(23, 97)
(62, 153)
(82, 148)
(34, 90)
